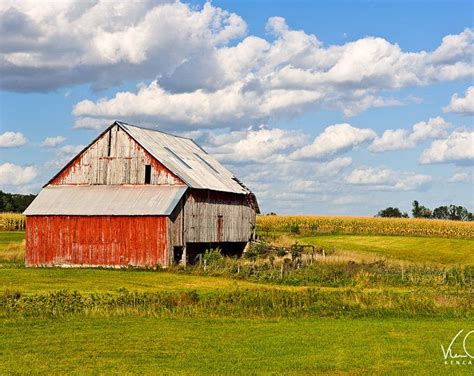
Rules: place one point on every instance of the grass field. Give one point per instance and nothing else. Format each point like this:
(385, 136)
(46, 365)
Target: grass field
(366, 319)
(100, 280)
(84, 345)
(413, 249)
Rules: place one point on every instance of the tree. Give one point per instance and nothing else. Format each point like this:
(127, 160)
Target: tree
(419, 211)
(459, 213)
(441, 212)
(14, 202)
(452, 212)
(391, 213)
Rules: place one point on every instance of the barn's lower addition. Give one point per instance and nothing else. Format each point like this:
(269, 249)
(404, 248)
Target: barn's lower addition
(110, 241)
(97, 241)
(227, 249)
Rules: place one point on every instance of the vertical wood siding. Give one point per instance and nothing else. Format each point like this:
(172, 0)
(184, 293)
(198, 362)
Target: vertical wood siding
(217, 217)
(115, 158)
(97, 241)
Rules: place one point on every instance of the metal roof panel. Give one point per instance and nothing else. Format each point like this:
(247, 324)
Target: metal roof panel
(106, 200)
(186, 159)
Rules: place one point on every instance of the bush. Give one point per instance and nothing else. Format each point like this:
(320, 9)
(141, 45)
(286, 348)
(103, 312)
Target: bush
(213, 257)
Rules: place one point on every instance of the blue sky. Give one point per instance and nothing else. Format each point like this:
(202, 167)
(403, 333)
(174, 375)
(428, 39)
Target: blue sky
(331, 107)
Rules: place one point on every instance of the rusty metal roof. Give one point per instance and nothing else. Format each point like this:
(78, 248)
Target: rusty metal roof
(106, 200)
(186, 159)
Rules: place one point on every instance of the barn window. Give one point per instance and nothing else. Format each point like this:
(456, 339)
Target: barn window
(109, 146)
(147, 174)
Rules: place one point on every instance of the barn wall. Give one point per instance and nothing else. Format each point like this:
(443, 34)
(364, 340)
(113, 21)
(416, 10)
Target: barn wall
(115, 158)
(177, 224)
(98, 240)
(217, 217)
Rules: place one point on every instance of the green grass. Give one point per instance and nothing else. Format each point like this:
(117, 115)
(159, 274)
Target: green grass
(8, 237)
(125, 342)
(12, 248)
(413, 249)
(98, 345)
(42, 280)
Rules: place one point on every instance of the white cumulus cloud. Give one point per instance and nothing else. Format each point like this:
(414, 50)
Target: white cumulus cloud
(14, 175)
(46, 45)
(52, 142)
(461, 177)
(387, 179)
(12, 139)
(335, 139)
(462, 105)
(254, 145)
(399, 139)
(457, 148)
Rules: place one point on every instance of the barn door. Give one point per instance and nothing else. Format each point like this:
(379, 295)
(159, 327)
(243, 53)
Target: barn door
(220, 228)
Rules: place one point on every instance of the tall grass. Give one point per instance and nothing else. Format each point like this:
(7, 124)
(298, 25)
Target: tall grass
(338, 272)
(12, 222)
(311, 225)
(240, 303)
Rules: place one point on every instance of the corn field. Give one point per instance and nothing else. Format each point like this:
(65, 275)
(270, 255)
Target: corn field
(309, 225)
(12, 222)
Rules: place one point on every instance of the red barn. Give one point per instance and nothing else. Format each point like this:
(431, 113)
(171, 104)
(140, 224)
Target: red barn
(140, 197)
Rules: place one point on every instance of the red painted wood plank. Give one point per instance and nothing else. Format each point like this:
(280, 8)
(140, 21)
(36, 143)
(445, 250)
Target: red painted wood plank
(96, 241)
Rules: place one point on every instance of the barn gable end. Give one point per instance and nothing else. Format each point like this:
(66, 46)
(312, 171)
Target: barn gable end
(114, 158)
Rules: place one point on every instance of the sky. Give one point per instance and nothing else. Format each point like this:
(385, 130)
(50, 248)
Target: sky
(319, 107)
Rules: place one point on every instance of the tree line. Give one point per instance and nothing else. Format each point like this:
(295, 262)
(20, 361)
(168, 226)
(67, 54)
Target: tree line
(451, 212)
(13, 202)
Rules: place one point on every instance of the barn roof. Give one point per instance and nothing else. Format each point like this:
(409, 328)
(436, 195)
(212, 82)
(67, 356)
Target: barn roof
(187, 160)
(106, 200)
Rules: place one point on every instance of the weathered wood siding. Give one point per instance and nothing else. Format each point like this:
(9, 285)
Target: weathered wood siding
(177, 225)
(217, 217)
(115, 158)
(97, 241)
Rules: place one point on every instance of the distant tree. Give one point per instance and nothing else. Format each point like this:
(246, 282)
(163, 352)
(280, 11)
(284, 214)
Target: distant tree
(14, 202)
(441, 212)
(459, 213)
(391, 213)
(419, 211)
(452, 212)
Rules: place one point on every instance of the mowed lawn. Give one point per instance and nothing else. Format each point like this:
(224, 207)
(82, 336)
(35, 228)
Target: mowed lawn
(133, 345)
(44, 280)
(413, 249)
(8, 237)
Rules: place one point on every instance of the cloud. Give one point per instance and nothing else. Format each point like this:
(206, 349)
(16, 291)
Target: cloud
(218, 109)
(333, 167)
(461, 177)
(335, 139)
(52, 142)
(53, 44)
(254, 145)
(256, 80)
(462, 105)
(457, 148)
(14, 175)
(186, 56)
(64, 155)
(12, 139)
(387, 180)
(399, 139)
